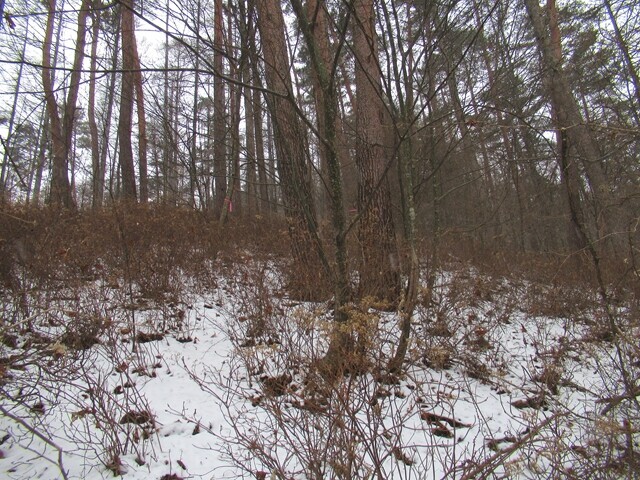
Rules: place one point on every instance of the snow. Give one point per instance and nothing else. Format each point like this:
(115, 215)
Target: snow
(213, 417)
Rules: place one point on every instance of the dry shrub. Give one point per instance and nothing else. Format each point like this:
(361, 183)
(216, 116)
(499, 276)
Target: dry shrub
(48, 255)
(304, 424)
(567, 268)
(153, 246)
(62, 276)
(572, 271)
(56, 358)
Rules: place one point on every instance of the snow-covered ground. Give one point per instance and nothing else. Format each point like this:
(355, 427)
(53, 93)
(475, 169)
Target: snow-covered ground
(492, 389)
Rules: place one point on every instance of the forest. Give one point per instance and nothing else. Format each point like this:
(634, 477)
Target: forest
(320, 239)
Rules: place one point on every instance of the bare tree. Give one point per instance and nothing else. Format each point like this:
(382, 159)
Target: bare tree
(219, 142)
(98, 174)
(4, 170)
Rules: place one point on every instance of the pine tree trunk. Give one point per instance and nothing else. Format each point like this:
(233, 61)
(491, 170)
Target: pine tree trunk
(142, 123)
(62, 128)
(307, 279)
(574, 136)
(127, 169)
(379, 275)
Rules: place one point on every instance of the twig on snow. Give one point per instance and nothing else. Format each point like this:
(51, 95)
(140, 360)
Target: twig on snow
(40, 435)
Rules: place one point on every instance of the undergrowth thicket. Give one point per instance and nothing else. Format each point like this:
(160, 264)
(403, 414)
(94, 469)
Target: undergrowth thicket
(86, 295)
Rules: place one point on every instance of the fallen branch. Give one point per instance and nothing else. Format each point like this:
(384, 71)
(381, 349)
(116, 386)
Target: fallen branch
(40, 435)
(483, 470)
(616, 400)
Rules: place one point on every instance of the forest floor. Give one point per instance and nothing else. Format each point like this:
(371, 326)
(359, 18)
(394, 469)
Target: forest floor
(505, 379)
(127, 351)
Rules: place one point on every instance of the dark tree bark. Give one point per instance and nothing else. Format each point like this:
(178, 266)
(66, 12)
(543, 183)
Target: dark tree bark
(219, 143)
(307, 274)
(313, 25)
(62, 128)
(379, 274)
(127, 169)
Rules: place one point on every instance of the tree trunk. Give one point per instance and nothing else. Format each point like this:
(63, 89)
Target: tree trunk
(313, 25)
(235, 101)
(307, 280)
(142, 122)
(265, 205)
(219, 143)
(626, 55)
(127, 169)
(233, 200)
(169, 127)
(62, 129)
(4, 172)
(34, 165)
(258, 188)
(252, 183)
(576, 137)
(106, 121)
(41, 160)
(401, 81)
(193, 146)
(379, 276)
(318, 41)
(96, 190)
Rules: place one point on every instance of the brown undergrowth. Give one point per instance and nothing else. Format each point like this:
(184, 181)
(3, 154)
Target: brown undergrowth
(119, 278)
(85, 298)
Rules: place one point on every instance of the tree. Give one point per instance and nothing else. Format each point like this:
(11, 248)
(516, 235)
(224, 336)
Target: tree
(127, 169)
(400, 58)
(379, 275)
(623, 47)
(142, 122)
(219, 142)
(307, 273)
(573, 136)
(313, 25)
(4, 170)
(62, 128)
(97, 171)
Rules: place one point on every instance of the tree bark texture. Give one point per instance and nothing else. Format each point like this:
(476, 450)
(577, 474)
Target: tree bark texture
(379, 275)
(127, 169)
(307, 277)
(62, 128)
